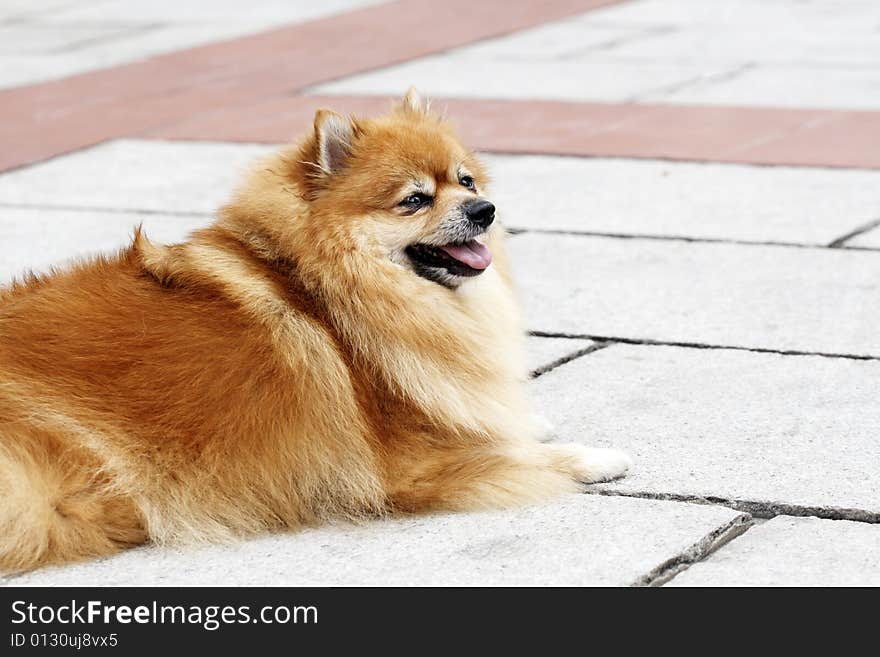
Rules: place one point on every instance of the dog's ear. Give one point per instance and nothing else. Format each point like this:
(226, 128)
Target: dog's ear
(334, 135)
(413, 102)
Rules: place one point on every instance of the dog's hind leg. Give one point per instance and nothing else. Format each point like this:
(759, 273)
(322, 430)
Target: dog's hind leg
(55, 506)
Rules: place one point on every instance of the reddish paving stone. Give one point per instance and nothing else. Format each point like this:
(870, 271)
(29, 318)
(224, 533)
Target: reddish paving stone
(270, 122)
(836, 139)
(43, 120)
(749, 135)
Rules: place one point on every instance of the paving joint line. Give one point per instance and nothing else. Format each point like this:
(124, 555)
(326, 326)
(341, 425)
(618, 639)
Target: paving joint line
(840, 242)
(660, 93)
(646, 32)
(704, 240)
(596, 346)
(697, 552)
(100, 40)
(696, 345)
(754, 508)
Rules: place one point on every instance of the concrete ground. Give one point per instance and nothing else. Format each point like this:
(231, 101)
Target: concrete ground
(694, 192)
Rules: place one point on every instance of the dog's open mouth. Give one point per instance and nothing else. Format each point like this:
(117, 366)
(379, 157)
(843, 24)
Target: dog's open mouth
(440, 263)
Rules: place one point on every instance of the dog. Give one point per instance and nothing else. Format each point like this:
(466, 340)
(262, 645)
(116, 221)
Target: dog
(342, 343)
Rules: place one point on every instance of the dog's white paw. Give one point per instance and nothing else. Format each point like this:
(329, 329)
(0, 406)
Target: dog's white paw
(591, 465)
(542, 429)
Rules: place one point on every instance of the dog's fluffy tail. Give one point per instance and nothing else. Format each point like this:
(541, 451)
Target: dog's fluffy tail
(53, 511)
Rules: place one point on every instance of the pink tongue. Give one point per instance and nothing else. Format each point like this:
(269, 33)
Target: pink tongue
(473, 254)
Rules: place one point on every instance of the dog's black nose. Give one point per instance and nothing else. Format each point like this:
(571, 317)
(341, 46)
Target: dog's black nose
(480, 211)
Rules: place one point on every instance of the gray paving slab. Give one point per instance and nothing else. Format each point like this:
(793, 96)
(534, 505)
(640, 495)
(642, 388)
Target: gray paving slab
(870, 239)
(853, 15)
(274, 12)
(790, 551)
(135, 175)
(777, 430)
(19, 70)
(838, 32)
(38, 238)
(24, 39)
(544, 352)
(29, 9)
(782, 298)
(782, 86)
(800, 43)
(706, 200)
(588, 77)
(578, 540)
(570, 37)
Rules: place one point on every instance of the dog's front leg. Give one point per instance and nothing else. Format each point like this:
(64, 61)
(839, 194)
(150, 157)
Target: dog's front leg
(504, 475)
(540, 428)
(588, 465)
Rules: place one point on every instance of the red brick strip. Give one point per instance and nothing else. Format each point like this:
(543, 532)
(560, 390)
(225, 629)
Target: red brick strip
(750, 135)
(44, 120)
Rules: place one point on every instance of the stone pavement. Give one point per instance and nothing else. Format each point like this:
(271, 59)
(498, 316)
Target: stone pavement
(694, 192)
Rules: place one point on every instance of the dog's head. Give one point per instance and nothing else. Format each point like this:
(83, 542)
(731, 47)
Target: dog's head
(404, 187)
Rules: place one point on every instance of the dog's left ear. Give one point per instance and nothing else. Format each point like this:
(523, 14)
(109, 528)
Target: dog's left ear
(334, 135)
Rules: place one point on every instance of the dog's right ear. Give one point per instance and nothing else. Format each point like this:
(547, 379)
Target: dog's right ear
(413, 103)
(334, 135)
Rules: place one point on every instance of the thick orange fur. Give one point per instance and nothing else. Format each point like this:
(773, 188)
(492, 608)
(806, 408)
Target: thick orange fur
(279, 368)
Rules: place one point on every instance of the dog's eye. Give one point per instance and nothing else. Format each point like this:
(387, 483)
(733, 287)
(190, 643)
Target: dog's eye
(467, 181)
(417, 200)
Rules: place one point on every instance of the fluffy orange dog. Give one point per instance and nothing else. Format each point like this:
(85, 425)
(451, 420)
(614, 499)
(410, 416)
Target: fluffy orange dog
(342, 342)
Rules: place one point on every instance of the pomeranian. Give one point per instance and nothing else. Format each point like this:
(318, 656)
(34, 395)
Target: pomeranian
(343, 342)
